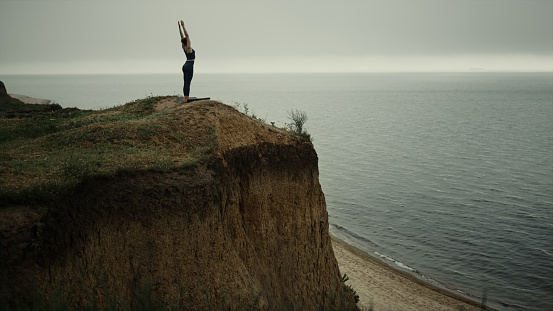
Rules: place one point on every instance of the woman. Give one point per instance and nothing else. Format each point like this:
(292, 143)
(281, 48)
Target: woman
(188, 67)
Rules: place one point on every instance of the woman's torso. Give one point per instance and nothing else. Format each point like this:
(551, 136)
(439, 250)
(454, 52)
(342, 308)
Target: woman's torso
(190, 56)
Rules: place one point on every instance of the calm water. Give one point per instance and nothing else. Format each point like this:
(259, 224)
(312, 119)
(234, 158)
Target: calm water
(448, 176)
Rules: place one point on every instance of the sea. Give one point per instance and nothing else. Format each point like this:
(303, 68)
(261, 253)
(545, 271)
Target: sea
(447, 176)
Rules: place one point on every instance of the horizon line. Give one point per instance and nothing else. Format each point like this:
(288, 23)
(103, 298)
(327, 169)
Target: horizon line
(476, 70)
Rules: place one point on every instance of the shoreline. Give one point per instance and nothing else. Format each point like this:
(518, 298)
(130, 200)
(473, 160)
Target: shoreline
(30, 100)
(382, 287)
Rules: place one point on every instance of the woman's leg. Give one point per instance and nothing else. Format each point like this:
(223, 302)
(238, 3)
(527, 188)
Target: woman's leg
(188, 74)
(186, 87)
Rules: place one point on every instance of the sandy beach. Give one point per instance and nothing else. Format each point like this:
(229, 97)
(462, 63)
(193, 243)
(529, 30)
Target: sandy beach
(380, 287)
(30, 100)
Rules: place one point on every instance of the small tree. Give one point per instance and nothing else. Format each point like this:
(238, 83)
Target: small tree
(298, 119)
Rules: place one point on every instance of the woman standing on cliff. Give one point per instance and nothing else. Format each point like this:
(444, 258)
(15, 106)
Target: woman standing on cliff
(188, 67)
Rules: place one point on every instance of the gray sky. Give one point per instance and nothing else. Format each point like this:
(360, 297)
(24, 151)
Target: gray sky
(275, 36)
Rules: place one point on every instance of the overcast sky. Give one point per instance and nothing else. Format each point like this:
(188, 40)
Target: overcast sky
(275, 36)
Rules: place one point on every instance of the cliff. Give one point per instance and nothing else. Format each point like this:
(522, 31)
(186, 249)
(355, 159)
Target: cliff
(5, 98)
(12, 105)
(232, 218)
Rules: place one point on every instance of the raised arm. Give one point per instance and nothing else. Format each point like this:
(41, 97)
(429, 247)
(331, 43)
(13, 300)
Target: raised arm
(188, 44)
(184, 29)
(180, 31)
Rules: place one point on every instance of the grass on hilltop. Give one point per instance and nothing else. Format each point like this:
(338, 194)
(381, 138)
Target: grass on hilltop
(44, 154)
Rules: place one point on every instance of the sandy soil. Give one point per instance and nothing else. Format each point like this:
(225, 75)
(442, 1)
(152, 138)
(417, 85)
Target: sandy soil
(30, 100)
(380, 287)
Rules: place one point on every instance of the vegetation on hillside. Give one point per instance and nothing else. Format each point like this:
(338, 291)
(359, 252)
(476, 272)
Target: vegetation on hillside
(43, 154)
(45, 150)
(14, 108)
(298, 119)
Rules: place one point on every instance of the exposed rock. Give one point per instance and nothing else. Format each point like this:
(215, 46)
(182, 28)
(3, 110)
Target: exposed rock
(246, 229)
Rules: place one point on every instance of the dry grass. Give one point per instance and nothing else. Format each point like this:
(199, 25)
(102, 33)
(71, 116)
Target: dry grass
(48, 152)
(45, 154)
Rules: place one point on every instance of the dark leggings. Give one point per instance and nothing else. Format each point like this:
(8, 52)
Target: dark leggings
(188, 72)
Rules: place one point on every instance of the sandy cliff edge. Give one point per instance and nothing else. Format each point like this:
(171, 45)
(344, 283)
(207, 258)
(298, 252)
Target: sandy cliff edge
(244, 228)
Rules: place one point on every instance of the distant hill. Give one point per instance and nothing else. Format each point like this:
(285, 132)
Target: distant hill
(12, 107)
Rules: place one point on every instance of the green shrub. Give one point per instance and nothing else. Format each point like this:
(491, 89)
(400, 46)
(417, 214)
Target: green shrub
(353, 291)
(298, 119)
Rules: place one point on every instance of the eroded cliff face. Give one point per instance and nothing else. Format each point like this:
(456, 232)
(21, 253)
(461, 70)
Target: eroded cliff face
(245, 229)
